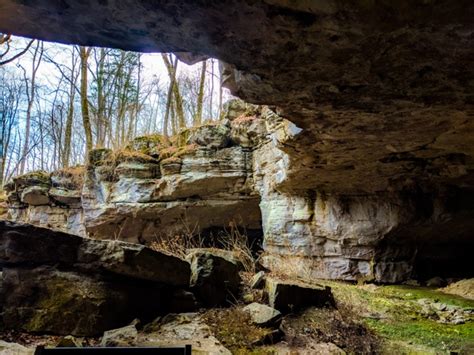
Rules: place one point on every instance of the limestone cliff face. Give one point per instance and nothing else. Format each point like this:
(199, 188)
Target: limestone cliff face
(238, 171)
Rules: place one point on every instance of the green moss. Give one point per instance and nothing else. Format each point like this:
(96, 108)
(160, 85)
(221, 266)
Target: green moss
(150, 144)
(394, 313)
(415, 293)
(426, 333)
(38, 177)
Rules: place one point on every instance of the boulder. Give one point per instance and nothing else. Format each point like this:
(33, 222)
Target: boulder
(463, 288)
(34, 178)
(214, 278)
(47, 300)
(262, 314)
(123, 337)
(35, 195)
(20, 243)
(287, 296)
(14, 349)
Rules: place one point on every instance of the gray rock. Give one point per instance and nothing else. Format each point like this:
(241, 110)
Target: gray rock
(21, 243)
(35, 195)
(262, 314)
(215, 136)
(214, 278)
(122, 337)
(287, 296)
(64, 196)
(14, 349)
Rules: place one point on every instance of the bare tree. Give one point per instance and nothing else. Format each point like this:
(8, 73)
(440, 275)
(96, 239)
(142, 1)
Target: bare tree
(5, 40)
(84, 53)
(30, 92)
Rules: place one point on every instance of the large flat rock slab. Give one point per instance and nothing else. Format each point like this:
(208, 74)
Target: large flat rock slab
(24, 244)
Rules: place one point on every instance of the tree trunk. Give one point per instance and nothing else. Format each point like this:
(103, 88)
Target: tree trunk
(172, 69)
(200, 98)
(31, 91)
(84, 54)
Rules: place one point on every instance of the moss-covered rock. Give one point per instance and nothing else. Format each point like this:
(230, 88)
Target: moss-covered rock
(150, 144)
(98, 157)
(34, 178)
(71, 178)
(215, 136)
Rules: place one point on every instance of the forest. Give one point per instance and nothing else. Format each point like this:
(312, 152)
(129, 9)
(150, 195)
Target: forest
(59, 101)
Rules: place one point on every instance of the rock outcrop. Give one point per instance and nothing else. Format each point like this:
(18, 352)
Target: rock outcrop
(236, 173)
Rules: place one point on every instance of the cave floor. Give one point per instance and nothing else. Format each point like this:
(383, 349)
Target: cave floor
(369, 319)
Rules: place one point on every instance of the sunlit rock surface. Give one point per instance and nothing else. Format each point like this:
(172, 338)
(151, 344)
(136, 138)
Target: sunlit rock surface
(390, 236)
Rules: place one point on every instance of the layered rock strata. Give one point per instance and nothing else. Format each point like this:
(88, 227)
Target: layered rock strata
(239, 172)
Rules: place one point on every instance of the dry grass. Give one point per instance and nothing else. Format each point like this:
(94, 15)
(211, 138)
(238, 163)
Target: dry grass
(234, 329)
(185, 150)
(232, 239)
(74, 173)
(168, 152)
(125, 155)
(171, 160)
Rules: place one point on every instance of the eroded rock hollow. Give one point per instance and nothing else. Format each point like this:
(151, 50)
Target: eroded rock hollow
(363, 166)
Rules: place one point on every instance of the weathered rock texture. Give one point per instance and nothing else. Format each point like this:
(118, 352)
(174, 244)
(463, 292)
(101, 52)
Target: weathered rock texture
(386, 236)
(64, 284)
(377, 181)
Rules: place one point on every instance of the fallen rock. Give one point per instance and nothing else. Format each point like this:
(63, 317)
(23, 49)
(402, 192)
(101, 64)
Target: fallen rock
(24, 243)
(262, 314)
(436, 282)
(123, 337)
(47, 300)
(287, 296)
(214, 278)
(14, 349)
(63, 284)
(35, 195)
(181, 329)
(258, 280)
